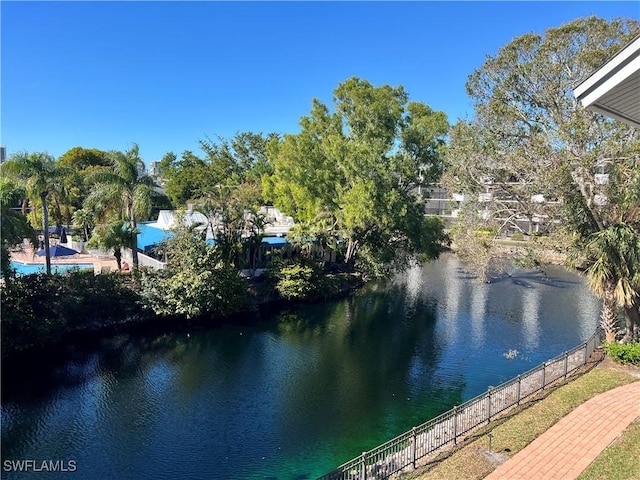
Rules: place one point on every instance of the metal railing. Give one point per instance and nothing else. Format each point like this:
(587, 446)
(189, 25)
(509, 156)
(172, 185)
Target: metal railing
(446, 429)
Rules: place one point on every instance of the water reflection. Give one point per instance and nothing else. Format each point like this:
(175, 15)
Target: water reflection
(479, 293)
(451, 278)
(297, 393)
(530, 312)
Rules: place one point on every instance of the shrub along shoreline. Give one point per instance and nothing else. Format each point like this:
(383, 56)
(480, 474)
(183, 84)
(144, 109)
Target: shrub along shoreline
(43, 312)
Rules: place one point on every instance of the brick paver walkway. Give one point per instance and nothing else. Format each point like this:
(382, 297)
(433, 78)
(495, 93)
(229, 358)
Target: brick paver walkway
(567, 448)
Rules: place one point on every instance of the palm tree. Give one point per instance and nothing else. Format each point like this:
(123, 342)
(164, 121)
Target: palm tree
(14, 226)
(123, 191)
(39, 174)
(113, 236)
(614, 275)
(84, 219)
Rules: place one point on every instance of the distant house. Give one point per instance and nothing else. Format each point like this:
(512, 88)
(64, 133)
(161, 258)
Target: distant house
(614, 88)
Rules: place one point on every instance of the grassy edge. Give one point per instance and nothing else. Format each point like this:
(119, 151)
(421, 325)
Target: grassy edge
(520, 426)
(619, 461)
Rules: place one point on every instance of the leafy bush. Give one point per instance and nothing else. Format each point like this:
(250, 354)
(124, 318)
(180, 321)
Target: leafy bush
(299, 281)
(194, 292)
(197, 282)
(41, 309)
(625, 353)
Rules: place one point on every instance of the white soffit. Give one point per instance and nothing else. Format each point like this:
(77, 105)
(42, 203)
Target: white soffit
(614, 89)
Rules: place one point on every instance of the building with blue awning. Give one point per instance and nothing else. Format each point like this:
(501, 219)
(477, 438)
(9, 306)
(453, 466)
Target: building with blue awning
(150, 236)
(153, 234)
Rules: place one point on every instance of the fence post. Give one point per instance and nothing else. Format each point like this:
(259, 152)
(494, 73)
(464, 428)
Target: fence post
(566, 361)
(455, 425)
(363, 462)
(519, 388)
(586, 352)
(414, 435)
(544, 373)
(489, 409)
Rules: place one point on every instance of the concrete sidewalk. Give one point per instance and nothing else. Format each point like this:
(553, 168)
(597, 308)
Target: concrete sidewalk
(567, 448)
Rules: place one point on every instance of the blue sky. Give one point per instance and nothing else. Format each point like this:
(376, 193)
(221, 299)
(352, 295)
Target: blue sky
(167, 74)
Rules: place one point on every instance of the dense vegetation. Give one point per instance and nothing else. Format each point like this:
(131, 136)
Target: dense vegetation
(367, 156)
(351, 179)
(39, 309)
(625, 353)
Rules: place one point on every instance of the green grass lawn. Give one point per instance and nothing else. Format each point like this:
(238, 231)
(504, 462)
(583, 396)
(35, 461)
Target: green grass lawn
(520, 427)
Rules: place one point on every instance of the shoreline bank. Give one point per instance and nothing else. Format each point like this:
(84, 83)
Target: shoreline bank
(123, 313)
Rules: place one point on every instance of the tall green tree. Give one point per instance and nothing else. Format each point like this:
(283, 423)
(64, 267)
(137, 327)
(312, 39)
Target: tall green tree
(354, 171)
(240, 159)
(532, 152)
(79, 162)
(123, 191)
(40, 177)
(186, 178)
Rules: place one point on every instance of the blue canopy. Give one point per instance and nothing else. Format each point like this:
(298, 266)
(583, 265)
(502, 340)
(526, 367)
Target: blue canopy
(57, 251)
(275, 241)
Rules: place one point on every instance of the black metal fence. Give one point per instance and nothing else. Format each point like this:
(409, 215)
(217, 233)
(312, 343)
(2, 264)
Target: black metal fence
(406, 449)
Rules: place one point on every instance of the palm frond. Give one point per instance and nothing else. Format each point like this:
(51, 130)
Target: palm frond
(614, 254)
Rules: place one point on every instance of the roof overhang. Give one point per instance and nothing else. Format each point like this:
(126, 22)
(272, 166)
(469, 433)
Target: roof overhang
(614, 89)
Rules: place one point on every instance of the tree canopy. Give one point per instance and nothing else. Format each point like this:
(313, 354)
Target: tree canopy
(530, 143)
(241, 159)
(79, 162)
(350, 176)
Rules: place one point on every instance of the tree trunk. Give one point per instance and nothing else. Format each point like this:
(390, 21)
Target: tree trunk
(608, 318)
(45, 228)
(134, 243)
(352, 248)
(118, 254)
